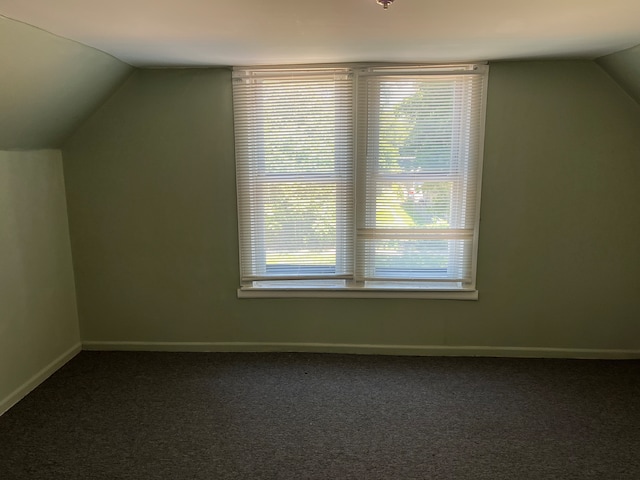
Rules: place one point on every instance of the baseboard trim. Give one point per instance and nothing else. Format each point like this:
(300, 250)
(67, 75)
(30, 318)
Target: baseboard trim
(416, 350)
(23, 390)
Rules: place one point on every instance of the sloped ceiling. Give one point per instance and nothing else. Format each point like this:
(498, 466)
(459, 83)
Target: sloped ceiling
(239, 32)
(48, 85)
(624, 67)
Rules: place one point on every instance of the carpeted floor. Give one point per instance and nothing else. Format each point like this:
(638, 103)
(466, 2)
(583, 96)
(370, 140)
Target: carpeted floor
(314, 416)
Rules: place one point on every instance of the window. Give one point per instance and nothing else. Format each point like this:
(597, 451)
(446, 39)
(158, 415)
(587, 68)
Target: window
(359, 181)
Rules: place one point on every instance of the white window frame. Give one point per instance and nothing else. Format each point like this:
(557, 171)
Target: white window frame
(355, 286)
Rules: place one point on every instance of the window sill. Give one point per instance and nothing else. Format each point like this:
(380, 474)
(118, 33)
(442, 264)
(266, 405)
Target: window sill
(252, 292)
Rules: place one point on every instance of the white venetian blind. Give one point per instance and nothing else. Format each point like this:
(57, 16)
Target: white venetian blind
(420, 137)
(294, 158)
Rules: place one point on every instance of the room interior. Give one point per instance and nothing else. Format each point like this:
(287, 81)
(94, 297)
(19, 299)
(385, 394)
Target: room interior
(118, 226)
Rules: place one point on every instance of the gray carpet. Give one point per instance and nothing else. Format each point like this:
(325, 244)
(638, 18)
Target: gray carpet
(311, 416)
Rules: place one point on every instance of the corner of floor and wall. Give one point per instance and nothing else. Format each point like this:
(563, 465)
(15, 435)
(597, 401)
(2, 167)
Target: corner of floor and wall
(118, 226)
(49, 85)
(38, 319)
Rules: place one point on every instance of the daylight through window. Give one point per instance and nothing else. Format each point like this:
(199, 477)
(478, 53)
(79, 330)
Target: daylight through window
(359, 178)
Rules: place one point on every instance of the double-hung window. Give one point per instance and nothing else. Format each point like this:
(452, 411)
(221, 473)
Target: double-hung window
(359, 180)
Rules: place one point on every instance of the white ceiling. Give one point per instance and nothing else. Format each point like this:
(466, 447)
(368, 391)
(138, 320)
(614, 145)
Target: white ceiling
(240, 32)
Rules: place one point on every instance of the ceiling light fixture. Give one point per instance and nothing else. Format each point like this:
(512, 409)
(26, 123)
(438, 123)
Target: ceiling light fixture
(385, 3)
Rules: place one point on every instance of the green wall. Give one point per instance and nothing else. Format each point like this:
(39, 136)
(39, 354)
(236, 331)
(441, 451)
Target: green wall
(38, 317)
(49, 85)
(624, 67)
(151, 202)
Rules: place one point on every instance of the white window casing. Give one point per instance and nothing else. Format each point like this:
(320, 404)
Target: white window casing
(359, 181)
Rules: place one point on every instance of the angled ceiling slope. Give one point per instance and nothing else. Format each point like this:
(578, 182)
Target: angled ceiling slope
(624, 67)
(156, 33)
(49, 85)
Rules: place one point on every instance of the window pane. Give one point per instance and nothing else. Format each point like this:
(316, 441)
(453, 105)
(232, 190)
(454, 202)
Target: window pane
(300, 228)
(413, 204)
(419, 165)
(303, 134)
(417, 259)
(416, 125)
(294, 162)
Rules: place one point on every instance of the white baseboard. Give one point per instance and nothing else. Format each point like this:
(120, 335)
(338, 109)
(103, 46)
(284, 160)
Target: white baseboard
(417, 350)
(23, 390)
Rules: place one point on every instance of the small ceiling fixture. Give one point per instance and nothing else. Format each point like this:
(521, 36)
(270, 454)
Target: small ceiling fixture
(385, 3)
